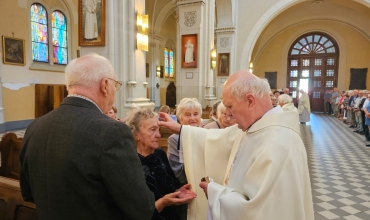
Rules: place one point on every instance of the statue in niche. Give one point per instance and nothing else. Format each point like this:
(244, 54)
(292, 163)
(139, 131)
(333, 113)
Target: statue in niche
(189, 50)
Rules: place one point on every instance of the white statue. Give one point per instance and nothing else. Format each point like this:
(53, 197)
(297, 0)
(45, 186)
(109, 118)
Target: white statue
(189, 52)
(91, 23)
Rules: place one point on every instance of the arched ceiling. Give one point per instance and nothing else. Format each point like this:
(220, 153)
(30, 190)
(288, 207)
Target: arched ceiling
(343, 11)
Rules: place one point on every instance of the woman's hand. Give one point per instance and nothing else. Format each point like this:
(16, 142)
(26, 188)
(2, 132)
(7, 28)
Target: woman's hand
(167, 121)
(172, 199)
(186, 192)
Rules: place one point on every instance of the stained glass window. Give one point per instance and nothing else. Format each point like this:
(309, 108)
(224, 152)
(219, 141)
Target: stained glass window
(172, 62)
(39, 33)
(166, 63)
(59, 37)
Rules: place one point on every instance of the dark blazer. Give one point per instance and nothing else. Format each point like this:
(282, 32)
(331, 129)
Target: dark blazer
(77, 163)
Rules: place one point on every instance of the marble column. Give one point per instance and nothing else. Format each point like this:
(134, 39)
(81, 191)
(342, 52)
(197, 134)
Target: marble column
(120, 49)
(154, 61)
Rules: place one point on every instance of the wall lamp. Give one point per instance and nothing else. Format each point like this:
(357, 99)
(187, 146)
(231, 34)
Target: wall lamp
(213, 58)
(251, 67)
(142, 25)
(158, 71)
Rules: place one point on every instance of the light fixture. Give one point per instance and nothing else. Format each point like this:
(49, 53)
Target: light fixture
(213, 58)
(157, 85)
(158, 71)
(251, 67)
(142, 24)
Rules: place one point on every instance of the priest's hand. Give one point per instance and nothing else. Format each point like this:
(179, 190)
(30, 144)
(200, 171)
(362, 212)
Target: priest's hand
(204, 186)
(167, 121)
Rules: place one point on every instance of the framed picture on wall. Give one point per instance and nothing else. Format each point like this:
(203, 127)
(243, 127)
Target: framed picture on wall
(223, 64)
(91, 22)
(189, 51)
(13, 51)
(162, 71)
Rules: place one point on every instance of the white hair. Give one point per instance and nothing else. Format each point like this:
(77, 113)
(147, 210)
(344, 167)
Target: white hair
(258, 87)
(187, 103)
(221, 107)
(285, 99)
(88, 70)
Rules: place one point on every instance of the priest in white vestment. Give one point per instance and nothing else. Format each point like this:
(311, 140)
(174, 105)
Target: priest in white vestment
(91, 23)
(286, 103)
(304, 108)
(259, 167)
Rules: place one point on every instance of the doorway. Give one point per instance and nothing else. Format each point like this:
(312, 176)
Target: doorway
(313, 67)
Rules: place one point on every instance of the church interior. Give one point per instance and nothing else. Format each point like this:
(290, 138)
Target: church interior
(165, 50)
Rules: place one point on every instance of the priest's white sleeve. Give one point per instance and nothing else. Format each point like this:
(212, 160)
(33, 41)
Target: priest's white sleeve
(206, 153)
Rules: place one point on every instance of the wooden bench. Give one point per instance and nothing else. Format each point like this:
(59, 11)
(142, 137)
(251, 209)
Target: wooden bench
(12, 205)
(10, 147)
(165, 134)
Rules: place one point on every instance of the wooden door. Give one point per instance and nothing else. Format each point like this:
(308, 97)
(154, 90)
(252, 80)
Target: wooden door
(48, 97)
(313, 67)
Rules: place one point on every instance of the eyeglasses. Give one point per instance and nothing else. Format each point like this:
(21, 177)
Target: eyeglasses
(117, 85)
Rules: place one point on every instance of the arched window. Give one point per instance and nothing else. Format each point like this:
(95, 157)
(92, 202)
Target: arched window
(172, 64)
(169, 63)
(313, 66)
(39, 33)
(59, 37)
(166, 63)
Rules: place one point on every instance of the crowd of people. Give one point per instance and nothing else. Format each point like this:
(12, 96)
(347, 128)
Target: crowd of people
(81, 158)
(352, 107)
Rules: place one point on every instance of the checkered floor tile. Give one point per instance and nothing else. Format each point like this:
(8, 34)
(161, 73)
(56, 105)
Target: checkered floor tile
(339, 168)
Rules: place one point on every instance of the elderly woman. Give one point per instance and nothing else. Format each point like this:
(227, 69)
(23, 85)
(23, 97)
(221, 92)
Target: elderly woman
(158, 173)
(286, 103)
(224, 120)
(188, 112)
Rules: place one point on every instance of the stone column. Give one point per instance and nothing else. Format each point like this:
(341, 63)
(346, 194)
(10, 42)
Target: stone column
(225, 44)
(196, 17)
(120, 49)
(154, 60)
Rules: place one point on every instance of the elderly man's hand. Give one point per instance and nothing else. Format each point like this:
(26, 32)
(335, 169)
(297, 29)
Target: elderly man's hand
(167, 121)
(204, 186)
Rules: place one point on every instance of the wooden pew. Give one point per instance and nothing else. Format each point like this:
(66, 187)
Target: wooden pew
(10, 147)
(12, 205)
(165, 134)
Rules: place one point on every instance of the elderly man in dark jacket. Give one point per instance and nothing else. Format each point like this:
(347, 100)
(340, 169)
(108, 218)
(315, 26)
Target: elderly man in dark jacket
(76, 162)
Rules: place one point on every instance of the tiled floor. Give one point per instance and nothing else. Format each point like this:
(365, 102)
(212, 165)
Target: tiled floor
(339, 165)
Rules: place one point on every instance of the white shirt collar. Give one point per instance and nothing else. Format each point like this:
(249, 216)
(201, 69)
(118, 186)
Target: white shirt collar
(87, 99)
